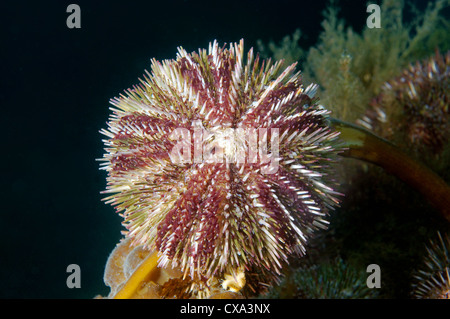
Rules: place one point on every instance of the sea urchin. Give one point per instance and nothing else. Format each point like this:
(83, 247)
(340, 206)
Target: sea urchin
(433, 279)
(189, 166)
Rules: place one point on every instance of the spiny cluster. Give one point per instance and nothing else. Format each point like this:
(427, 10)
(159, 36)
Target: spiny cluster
(416, 104)
(433, 280)
(211, 218)
(333, 279)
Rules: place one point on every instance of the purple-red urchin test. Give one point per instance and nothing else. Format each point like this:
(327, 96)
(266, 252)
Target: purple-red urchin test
(432, 280)
(212, 218)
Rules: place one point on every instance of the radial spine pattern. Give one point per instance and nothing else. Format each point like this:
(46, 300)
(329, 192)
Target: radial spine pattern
(220, 161)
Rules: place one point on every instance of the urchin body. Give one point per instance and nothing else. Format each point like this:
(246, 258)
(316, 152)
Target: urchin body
(220, 164)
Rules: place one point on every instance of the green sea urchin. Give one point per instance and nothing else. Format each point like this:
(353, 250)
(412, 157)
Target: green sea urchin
(247, 209)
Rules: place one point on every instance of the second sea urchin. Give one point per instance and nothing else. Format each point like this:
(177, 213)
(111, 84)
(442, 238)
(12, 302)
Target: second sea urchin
(433, 279)
(413, 109)
(190, 171)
